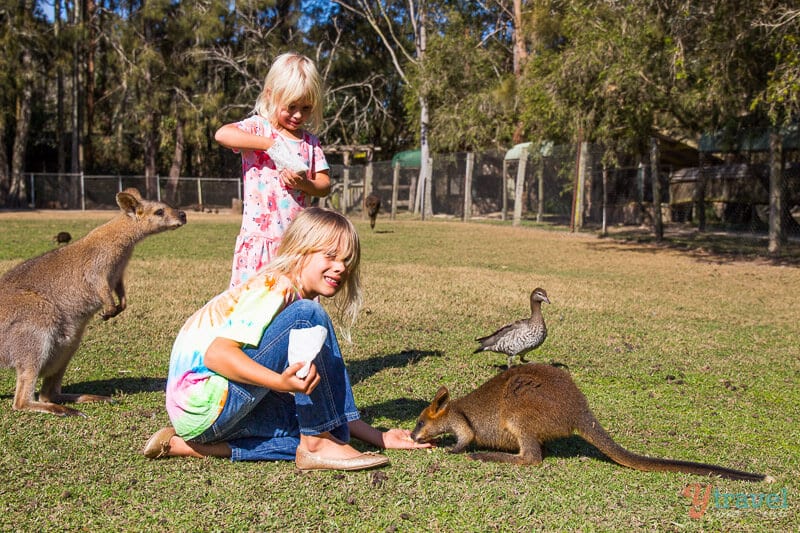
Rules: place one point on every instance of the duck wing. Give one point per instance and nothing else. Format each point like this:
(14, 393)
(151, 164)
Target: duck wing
(498, 341)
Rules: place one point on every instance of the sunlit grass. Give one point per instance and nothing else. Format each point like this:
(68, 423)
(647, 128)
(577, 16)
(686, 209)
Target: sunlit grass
(682, 352)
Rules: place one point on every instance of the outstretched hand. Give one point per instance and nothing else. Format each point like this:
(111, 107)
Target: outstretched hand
(400, 439)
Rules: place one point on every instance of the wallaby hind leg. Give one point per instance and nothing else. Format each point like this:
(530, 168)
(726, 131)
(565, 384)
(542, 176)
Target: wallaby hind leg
(51, 391)
(24, 396)
(530, 454)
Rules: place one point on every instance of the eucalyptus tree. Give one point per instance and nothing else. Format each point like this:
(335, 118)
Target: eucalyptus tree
(25, 41)
(402, 27)
(780, 99)
(363, 92)
(469, 86)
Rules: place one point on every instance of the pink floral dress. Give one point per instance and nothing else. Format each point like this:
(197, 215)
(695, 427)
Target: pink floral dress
(269, 207)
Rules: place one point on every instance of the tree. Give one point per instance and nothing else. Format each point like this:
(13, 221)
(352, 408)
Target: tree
(402, 29)
(24, 41)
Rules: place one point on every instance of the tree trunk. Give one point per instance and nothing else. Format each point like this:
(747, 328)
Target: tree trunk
(520, 55)
(425, 174)
(424, 188)
(76, 166)
(604, 227)
(776, 200)
(61, 147)
(90, 47)
(177, 162)
(655, 158)
(151, 156)
(18, 190)
(4, 170)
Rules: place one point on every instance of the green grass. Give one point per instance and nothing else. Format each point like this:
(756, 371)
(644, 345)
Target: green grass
(686, 352)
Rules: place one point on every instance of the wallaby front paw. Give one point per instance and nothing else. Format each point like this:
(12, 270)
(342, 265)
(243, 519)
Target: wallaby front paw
(111, 314)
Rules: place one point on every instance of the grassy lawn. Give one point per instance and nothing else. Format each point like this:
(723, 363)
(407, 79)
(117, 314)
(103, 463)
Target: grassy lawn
(684, 351)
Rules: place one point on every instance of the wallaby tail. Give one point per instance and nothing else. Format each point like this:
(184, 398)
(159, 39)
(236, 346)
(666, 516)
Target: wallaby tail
(596, 435)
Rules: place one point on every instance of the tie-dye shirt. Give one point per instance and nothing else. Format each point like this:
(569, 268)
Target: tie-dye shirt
(195, 394)
(268, 206)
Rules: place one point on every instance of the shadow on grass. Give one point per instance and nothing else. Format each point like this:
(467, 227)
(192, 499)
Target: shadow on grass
(361, 370)
(125, 385)
(108, 387)
(573, 446)
(403, 409)
(709, 247)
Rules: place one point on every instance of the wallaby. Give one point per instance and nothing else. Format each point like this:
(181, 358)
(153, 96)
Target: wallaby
(46, 302)
(522, 408)
(373, 203)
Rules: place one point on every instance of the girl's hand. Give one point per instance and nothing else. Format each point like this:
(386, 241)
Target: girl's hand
(291, 179)
(292, 383)
(400, 439)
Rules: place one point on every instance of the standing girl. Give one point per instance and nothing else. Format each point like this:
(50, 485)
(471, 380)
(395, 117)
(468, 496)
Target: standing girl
(231, 390)
(282, 163)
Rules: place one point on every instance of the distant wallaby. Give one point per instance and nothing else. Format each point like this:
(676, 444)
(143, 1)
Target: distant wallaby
(46, 302)
(522, 408)
(373, 202)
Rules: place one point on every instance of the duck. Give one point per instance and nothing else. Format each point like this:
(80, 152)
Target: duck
(520, 337)
(63, 237)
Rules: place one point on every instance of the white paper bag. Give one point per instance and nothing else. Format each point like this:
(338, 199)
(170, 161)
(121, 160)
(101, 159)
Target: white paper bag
(283, 157)
(304, 345)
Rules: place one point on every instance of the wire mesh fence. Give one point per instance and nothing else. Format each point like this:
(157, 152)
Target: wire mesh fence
(550, 184)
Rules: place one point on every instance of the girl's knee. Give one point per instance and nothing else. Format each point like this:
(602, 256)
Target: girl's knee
(310, 310)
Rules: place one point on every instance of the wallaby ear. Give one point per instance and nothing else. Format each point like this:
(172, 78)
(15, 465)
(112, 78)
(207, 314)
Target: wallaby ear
(441, 399)
(129, 200)
(133, 191)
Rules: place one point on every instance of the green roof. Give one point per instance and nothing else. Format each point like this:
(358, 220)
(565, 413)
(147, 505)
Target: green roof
(545, 150)
(751, 140)
(407, 159)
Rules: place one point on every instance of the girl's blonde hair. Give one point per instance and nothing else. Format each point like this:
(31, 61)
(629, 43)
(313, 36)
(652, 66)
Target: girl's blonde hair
(316, 229)
(292, 78)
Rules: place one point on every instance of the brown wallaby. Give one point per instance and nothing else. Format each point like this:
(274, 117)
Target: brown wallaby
(46, 302)
(373, 203)
(522, 408)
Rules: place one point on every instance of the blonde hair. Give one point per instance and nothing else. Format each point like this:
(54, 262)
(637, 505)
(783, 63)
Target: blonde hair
(316, 229)
(292, 78)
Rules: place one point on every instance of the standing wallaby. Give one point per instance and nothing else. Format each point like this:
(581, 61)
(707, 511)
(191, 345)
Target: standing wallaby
(46, 302)
(373, 203)
(522, 408)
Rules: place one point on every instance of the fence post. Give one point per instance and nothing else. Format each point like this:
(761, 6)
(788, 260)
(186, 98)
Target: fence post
(33, 192)
(540, 194)
(395, 185)
(504, 191)
(345, 182)
(468, 186)
(604, 227)
(83, 193)
(199, 193)
(367, 189)
(520, 185)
